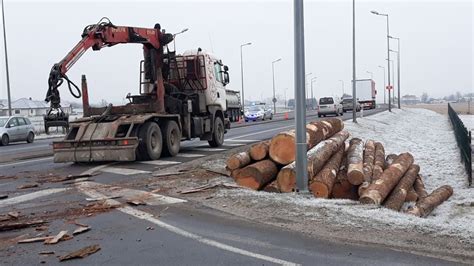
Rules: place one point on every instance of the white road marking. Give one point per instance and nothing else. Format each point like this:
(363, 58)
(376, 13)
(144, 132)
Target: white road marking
(123, 171)
(209, 149)
(26, 161)
(234, 144)
(241, 140)
(189, 155)
(259, 132)
(160, 163)
(97, 168)
(30, 196)
(98, 191)
(149, 217)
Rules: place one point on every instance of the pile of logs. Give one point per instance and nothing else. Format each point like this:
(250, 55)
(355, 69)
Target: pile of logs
(337, 168)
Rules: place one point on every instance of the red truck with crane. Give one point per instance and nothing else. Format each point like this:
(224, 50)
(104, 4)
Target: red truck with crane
(181, 97)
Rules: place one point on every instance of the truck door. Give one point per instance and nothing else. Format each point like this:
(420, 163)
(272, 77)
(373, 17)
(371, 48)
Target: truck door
(220, 86)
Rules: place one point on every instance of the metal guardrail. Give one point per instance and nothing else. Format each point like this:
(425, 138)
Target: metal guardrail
(463, 138)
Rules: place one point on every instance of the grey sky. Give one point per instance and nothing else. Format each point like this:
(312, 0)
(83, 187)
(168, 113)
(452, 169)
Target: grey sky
(436, 39)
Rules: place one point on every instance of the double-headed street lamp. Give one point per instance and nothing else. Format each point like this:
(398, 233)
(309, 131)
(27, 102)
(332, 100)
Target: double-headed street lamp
(371, 74)
(384, 84)
(274, 100)
(342, 82)
(388, 56)
(398, 67)
(242, 73)
(312, 96)
(174, 37)
(398, 85)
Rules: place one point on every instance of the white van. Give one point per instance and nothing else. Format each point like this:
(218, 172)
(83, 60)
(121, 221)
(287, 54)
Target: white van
(330, 105)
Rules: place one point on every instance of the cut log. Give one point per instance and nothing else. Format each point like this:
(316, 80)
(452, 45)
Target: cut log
(317, 157)
(355, 171)
(399, 194)
(282, 146)
(342, 189)
(379, 190)
(272, 187)
(363, 187)
(259, 151)
(321, 185)
(427, 204)
(412, 196)
(238, 160)
(369, 158)
(257, 175)
(419, 187)
(235, 173)
(379, 161)
(390, 159)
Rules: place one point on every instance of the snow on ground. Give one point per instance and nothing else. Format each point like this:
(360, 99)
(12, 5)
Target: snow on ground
(429, 137)
(468, 121)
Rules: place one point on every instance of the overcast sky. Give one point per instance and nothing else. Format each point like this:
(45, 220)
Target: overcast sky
(436, 43)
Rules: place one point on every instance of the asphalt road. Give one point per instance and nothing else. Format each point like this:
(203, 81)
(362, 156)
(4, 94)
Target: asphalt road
(166, 231)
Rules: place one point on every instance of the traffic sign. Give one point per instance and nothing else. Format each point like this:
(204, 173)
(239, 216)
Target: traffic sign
(389, 87)
(274, 100)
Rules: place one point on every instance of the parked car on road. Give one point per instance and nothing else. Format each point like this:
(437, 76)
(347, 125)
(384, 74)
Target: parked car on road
(255, 113)
(347, 105)
(16, 128)
(330, 105)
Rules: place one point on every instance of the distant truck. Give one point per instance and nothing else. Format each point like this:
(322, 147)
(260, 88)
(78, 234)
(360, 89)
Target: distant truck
(366, 93)
(234, 108)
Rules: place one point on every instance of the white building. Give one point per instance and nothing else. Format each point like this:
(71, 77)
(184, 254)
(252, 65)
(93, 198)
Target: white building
(29, 107)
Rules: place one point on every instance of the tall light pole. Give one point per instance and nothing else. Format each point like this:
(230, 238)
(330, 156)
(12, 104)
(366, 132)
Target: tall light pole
(342, 82)
(284, 91)
(384, 84)
(354, 96)
(174, 37)
(398, 81)
(398, 67)
(306, 89)
(388, 56)
(242, 73)
(300, 118)
(274, 100)
(371, 74)
(6, 62)
(312, 96)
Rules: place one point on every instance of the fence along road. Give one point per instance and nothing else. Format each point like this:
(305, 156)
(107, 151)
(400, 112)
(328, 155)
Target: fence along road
(463, 138)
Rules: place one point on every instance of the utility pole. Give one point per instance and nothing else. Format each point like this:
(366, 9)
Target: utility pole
(274, 100)
(300, 119)
(242, 73)
(6, 62)
(354, 96)
(388, 56)
(384, 84)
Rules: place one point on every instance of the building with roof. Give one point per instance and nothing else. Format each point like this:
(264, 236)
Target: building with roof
(29, 107)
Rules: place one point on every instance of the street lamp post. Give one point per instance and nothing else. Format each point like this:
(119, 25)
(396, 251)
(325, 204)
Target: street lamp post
(306, 89)
(398, 81)
(388, 56)
(371, 74)
(284, 91)
(384, 84)
(6, 62)
(312, 96)
(342, 82)
(174, 37)
(354, 93)
(242, 73)
(393, 82)
(274, 100)
(398, 67)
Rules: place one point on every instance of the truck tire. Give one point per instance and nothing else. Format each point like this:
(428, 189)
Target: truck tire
(151, 142)
(171, 138)
(218, 133)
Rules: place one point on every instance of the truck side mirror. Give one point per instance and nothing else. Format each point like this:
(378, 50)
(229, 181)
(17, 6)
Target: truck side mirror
(226, 77)
(226, 68)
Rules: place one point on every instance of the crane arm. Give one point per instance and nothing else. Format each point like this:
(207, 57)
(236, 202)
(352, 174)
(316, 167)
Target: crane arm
(97, 36)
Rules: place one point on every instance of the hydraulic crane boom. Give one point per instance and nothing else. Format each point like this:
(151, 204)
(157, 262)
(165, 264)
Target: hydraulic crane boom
(97, 36)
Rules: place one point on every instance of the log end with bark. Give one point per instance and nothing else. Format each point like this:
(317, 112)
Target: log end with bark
(286, 179)
(282, 147)
(259, 151)
(238, 160)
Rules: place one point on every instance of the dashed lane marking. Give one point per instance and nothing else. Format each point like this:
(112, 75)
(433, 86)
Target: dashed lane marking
(30, 196)
(209, 149)
(159, 163)
(241, 140)
(123, 171)
(190, 155)
(233, 144)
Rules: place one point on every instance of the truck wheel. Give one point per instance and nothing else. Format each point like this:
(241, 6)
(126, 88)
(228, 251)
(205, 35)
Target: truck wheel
(151, 144)
(171, 138)
(5, 140)
(218, 134)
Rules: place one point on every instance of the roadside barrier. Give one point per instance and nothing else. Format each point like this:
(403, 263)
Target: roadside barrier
(463, 138)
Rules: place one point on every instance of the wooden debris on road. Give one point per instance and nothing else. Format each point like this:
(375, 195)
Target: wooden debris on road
(80, 230)
(56, 238)
(14, 215)
(19, 225)
(427, 204)
(35, 239)
(136, 202)
(29, 185)
(46, 252)
(81, 253)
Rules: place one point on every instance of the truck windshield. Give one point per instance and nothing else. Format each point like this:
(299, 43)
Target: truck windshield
(3, 121)
(327, 100)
